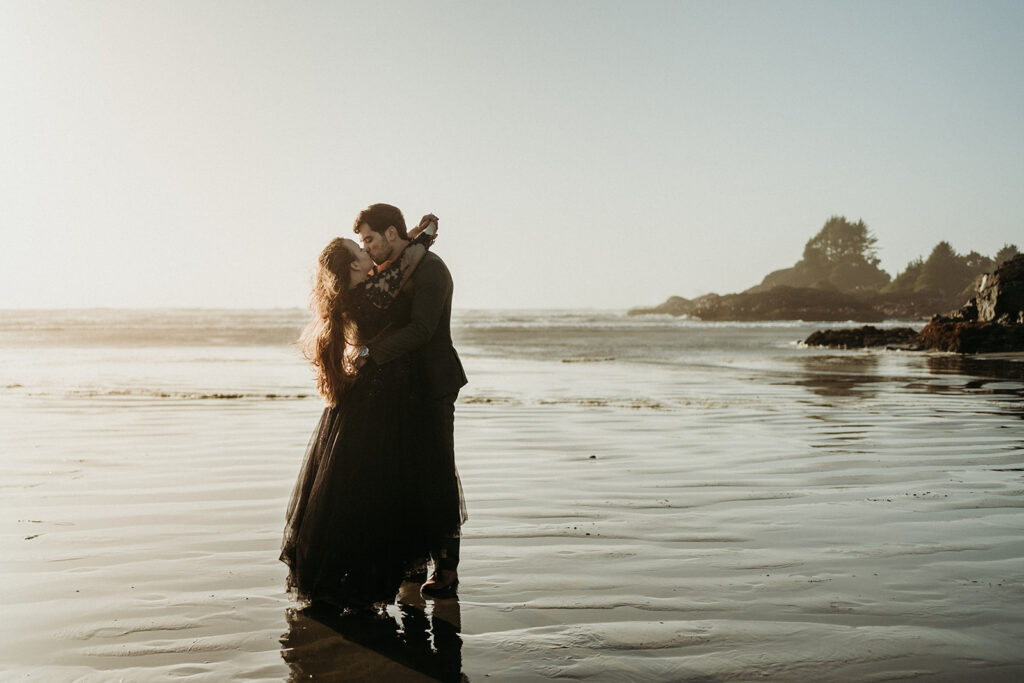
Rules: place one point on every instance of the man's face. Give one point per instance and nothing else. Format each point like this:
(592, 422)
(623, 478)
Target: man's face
(375, 244)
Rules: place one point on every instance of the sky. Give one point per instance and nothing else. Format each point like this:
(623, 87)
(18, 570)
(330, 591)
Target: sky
(579, 153)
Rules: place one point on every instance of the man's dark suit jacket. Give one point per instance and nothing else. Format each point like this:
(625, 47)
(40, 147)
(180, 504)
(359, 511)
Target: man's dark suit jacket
(428, 334)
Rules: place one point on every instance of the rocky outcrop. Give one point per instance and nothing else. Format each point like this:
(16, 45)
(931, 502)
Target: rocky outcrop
(674, 305)
(1000, 295)
(865, 337)
(991, 322)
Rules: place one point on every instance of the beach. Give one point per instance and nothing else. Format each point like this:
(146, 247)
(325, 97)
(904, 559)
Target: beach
(650, 499)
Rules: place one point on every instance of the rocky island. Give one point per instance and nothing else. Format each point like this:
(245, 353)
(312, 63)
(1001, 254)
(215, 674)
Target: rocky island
(839, 279)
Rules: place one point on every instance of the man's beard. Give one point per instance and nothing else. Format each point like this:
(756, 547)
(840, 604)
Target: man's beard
(384, 259)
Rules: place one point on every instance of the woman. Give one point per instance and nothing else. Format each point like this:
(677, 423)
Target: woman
(358, 518)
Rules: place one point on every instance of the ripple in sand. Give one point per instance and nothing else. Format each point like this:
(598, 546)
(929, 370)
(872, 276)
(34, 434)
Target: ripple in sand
(730, 650)
(125, 627)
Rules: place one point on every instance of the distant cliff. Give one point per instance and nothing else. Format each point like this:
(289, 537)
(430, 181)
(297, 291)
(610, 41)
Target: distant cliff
(838, 278)
(777, 303)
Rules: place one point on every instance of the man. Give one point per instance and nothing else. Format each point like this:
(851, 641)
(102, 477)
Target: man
(381, 227)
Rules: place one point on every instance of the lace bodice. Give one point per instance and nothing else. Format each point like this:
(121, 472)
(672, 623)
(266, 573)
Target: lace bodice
(371, 300)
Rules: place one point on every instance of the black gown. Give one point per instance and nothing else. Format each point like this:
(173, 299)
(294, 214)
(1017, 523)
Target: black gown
(375, 492)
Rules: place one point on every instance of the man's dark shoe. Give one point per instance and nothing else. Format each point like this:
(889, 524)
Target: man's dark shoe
(442, 584)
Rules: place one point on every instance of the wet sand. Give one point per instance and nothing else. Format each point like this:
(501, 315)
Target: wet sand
(837, 516)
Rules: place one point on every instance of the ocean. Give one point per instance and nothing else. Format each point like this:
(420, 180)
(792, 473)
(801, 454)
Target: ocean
(650, 499)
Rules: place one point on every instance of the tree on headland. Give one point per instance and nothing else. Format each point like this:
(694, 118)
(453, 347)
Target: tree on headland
(841, 256)
(1005, 254)
(840, 241)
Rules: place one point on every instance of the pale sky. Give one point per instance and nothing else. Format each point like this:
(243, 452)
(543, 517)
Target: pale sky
(578, 153)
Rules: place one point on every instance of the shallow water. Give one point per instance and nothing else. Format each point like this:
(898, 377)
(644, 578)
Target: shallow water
(650, 499)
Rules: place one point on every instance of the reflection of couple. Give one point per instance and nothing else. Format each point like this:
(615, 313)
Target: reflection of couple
(322, 644)
(378, 491)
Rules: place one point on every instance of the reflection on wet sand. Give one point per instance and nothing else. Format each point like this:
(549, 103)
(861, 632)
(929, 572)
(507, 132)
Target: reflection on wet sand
(860, 375)
(836, 376)
(994, 376)
(411, 641)
(995, 368)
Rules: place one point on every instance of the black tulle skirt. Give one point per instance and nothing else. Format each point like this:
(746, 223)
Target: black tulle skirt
(375, 494)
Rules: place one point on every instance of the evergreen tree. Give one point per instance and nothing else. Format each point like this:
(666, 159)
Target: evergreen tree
(943, 272)
(843, 256)
(1005, 254)
(906, 281)
(840, 241)
(976, 263)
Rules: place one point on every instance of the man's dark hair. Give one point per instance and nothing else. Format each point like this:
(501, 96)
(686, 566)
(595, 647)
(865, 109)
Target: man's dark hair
(380, 217)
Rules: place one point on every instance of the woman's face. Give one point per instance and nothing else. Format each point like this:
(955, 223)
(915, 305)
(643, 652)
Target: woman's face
(360, 256)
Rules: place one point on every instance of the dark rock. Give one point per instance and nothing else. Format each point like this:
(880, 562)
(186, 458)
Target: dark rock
(864, 337)
(786, 303)
(967, 313)
(948, 334)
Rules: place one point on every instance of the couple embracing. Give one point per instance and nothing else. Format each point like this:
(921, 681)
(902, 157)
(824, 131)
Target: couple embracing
(378, 492)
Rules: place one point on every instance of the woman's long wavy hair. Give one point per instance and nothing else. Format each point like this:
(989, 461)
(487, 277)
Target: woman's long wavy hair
(324, 339)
